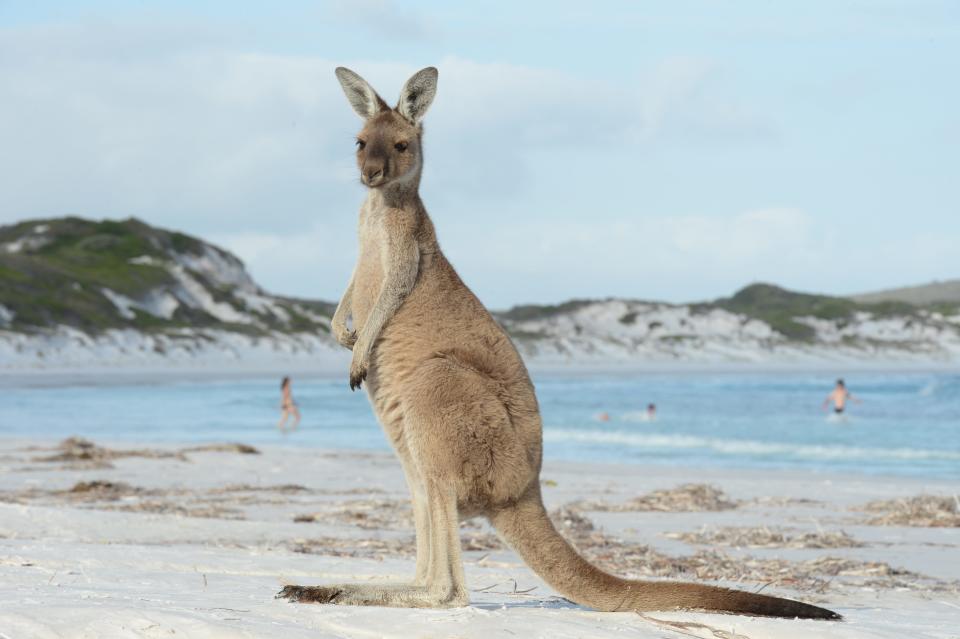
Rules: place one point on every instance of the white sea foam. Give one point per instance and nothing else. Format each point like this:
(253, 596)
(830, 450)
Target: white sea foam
(637, 416)
(744, 446)
(930, 389)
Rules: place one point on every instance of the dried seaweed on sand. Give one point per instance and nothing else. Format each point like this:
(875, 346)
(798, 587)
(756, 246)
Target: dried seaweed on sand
(83, 454)
(639, 560)
(369, 514)
(101, 490)
(381, 549)
(783, 502)
(764, 537)
(163, 507)
(285, 489)
(97, 490)
(243, 449)
(923, 510)
(101, 494)
(685, 498)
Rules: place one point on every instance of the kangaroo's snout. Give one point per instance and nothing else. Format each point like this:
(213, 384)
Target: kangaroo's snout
(373, 172)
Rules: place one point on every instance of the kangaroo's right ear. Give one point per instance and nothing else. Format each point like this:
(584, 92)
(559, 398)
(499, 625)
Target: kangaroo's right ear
(417, 94)
(361, 95)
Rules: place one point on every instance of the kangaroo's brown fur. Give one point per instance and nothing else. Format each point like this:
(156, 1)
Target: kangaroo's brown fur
(455, 399)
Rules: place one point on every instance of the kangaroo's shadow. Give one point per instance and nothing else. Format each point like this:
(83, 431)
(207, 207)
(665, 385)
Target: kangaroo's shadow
(547, 603)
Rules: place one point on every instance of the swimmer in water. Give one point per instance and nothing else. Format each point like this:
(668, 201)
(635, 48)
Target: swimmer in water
(651, 412)
(839, 397)
(287, 407)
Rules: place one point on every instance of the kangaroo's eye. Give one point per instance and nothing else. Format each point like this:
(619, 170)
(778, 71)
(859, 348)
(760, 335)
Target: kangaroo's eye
(400, 146)
(360, 145)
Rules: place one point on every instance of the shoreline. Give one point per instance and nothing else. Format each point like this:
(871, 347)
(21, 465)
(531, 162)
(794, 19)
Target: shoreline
(669, 470)
(672, 467)
(109, 375)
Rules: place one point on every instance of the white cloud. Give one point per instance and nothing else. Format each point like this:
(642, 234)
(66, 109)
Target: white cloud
(677, 258)
(130, 121)
(253, 149)
(314, 255)
(384, 19)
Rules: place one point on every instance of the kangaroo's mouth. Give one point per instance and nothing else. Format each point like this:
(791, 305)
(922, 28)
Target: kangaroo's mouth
(374, 182)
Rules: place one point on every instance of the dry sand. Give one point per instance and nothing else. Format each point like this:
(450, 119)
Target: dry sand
(101, 540)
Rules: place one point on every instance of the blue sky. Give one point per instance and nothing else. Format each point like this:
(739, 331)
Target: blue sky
(672, 150)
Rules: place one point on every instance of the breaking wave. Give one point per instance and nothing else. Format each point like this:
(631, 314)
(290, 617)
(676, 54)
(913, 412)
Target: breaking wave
(744, 447)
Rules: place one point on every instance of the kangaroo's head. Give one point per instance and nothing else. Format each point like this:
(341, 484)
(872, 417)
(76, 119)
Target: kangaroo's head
(388, 145)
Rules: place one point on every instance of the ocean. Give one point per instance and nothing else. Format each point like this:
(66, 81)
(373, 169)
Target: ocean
(907, 423)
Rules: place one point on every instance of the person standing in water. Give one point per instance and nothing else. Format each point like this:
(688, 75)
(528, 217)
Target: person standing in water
(839, 397)
(651, 412)
(287, 406)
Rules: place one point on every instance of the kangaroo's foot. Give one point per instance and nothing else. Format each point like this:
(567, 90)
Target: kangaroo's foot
(395, 595)
(439, 581)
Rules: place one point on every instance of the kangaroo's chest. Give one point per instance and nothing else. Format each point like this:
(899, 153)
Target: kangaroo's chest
(370, 269)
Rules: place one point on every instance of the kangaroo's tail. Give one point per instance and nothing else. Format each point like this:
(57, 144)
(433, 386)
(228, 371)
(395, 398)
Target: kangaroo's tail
(530, 532)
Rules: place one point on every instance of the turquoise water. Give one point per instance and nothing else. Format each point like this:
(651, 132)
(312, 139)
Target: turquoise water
(907, 423)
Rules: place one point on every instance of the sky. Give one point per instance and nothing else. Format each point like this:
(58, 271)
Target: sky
(652, 150)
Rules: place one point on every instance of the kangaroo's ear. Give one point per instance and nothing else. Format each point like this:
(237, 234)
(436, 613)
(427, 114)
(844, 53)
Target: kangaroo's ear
(361, 95)
(417, 94)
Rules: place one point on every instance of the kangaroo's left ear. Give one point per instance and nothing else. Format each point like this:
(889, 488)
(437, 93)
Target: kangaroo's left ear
(361, 95)
(417, 94)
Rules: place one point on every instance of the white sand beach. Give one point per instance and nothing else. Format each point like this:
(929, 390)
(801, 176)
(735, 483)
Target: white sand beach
(120, 540)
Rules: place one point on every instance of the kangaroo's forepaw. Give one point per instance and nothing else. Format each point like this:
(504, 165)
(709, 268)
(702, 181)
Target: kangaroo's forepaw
(310, 594)
(356, 379)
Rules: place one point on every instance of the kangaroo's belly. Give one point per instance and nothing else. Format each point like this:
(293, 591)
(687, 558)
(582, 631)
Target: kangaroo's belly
(444, 376)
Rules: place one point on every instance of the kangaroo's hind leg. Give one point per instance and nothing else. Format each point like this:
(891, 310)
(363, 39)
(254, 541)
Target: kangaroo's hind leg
(444, 584)
(421, 522)
(457, 444)
(439, 580)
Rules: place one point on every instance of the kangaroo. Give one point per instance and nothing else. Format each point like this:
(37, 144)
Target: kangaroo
(455, 399)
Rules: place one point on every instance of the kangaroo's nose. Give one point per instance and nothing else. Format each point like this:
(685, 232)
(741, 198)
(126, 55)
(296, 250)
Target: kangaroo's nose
(373, 172)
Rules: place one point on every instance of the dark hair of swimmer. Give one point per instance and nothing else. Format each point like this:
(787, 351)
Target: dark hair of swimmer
(283, 384)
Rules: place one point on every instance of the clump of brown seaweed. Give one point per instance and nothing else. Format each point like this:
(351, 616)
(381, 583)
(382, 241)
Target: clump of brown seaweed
(684, 498)
(284, 489)
(378, 549)
(82, 454)
(101, 490)
(923, 510)
(231, 447)
(164, 507)
(764, 537)
(77, 453)
(381, 549)
(369, 514)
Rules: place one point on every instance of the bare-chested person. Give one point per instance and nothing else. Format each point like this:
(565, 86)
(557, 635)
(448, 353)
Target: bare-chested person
(287, 406)
(839, 397)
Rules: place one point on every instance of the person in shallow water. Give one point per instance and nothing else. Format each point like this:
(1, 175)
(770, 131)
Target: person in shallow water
(287, 407)
(839, 397)
(651, 412)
